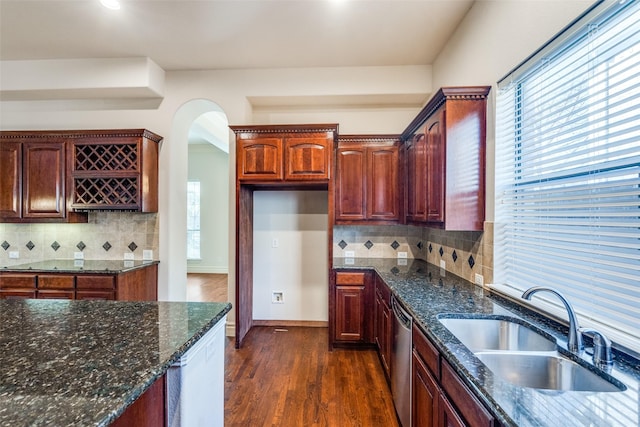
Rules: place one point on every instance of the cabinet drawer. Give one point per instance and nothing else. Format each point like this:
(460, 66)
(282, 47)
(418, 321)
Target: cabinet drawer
(467, 404)
(17, 281)
(426, 351)
(96, 295)
(58, 294)
(55, 282)
(95, 282)
(344, 278)
(17, 294)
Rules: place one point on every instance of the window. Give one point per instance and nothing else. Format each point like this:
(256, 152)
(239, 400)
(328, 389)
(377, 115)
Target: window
(193, 220)
(568, 171)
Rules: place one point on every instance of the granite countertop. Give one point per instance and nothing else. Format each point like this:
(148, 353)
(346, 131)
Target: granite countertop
(78, 266)
(427, 294)
(82, 363)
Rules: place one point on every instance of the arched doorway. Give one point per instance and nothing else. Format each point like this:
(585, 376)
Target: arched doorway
(173, 227)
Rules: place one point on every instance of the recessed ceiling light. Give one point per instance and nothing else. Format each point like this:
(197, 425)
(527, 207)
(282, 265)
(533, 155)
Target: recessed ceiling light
(111, 4)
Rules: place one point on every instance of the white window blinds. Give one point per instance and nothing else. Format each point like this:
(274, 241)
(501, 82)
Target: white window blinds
(568, 172)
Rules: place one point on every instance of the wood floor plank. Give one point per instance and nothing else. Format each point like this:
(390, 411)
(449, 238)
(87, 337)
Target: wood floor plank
(207, 287)
(290, 379)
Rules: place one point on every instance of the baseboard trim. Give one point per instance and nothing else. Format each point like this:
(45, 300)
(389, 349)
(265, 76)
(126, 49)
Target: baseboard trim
(306, 323)
(230, 329)
(207, 269)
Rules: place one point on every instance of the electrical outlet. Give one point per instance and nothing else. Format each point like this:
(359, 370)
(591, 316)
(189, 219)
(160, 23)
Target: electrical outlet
(128, 256)
(479, 280)
(349, 254)
(147, 255)
(402, 254)
(78, 255)
(275, 243)
(277, 297)
(443, 264)
(14, 254)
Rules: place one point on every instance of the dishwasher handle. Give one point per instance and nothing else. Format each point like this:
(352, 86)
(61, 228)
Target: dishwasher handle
(402, 316)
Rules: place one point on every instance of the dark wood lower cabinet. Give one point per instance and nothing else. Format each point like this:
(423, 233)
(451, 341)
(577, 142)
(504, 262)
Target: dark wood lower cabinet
(439, 397)
(148, 410)
(383, 325)
(354, 298)
(140, 284)
(425, 395)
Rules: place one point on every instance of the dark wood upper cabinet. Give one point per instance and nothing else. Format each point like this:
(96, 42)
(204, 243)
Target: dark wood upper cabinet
(290, 153)
(11, 182)
(114, 170)
(43, 180)
(452, 153)
(260, 159)
(368, 185)
(436, 177)
(33, 178)
(416, 195)
(351, 187)
(307, 158)
(57, 176)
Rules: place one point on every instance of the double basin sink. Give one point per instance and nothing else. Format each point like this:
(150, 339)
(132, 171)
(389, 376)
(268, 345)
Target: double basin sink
(516, 352)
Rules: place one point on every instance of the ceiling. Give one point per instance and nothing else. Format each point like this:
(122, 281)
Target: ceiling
(232, 34)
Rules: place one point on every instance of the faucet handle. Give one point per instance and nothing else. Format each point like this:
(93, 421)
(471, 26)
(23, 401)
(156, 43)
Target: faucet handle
(601, 347)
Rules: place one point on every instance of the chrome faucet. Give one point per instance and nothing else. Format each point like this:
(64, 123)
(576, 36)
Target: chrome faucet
(575, 337)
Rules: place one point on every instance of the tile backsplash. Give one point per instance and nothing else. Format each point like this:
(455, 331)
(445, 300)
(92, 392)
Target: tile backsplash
(465, 253)
(107, 236)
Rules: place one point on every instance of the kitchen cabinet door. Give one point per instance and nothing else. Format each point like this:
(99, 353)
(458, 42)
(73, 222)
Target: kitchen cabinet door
(350, 306)
(307, 158)
(11, 180)
(447, 415)
(382, 183)
(383, 324)
(351, 189)
(260, 159)
(44, 180)
(425, 395)
(435, 167)
(417, 178)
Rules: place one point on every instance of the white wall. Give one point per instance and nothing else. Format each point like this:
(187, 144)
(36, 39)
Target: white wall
(494, 37)
(210, 166)
(298, 266)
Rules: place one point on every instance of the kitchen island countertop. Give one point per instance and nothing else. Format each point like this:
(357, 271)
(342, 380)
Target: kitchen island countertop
(82, 363)
(427, 292)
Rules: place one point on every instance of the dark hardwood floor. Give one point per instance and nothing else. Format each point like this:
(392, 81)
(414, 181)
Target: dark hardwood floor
(286, 377)
(207, 287)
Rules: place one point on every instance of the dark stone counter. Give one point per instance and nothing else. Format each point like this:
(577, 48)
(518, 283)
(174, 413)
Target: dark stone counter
(78, 266)
(428, 295)
(82, 363)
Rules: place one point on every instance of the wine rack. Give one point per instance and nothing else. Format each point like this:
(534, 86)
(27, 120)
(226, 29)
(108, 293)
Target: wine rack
(115, 170)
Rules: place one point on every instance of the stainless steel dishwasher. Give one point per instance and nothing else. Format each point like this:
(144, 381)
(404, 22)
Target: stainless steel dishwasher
(401, 362)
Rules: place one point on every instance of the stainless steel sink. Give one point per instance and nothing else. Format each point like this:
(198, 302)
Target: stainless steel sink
(479, 334)
(544, 370)
(516, 352)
